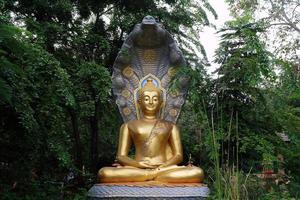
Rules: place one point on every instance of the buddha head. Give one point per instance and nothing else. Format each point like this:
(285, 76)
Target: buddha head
(150, 98)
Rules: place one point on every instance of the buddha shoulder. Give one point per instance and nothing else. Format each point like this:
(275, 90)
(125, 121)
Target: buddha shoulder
(131, 125)
(134, 125)
(138, 123)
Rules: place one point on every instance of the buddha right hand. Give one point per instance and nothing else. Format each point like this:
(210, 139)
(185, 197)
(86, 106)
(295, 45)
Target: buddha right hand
(145, 164)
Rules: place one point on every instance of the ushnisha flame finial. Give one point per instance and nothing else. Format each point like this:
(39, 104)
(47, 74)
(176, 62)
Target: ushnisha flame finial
(149, 86)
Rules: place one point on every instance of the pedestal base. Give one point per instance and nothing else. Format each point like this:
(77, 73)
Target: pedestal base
(148, 191)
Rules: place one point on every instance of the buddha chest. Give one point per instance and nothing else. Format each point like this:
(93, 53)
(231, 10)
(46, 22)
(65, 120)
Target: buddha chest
(142, 131)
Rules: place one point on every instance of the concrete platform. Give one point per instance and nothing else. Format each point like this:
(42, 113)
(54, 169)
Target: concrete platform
(148, 191)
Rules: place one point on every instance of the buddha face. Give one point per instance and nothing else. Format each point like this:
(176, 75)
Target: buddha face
(150, 102)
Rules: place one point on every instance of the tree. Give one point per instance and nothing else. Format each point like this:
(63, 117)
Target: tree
(37, 86)
(240, 111)
(285, 99)
(280, 18)
(56, 59)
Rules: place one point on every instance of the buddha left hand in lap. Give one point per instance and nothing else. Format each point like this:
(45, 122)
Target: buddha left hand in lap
(158, 149)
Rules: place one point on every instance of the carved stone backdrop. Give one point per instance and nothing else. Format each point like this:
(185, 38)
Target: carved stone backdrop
(148, 50)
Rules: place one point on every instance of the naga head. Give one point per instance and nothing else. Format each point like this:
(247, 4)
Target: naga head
(149, 23)
(149, 33)
(149, 20)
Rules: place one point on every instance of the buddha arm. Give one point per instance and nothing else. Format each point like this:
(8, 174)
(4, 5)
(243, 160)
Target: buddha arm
(124, 146)
(176, 146)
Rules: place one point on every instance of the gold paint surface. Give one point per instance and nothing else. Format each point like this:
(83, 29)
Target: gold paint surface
(174, 93)
(138, 90)
(126, 94)
(126, 111)
(173, 112)
(172, 71)
(149, 55)
(127, 72)
(153, 138)
(153, 184)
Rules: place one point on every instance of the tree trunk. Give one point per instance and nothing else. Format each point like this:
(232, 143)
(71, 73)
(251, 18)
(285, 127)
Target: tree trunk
(77, 145)
(94, 137)
(76, 135)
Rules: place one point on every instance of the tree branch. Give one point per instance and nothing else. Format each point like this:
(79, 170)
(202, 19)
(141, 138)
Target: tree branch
(290, 22)
(106, 11)
(278, 24)
(283, 16)
(293, 12)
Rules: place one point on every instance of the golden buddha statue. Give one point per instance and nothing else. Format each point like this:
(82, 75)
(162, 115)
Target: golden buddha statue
(158, 149)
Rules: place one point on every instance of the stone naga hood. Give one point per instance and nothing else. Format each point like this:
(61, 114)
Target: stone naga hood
(149, 51)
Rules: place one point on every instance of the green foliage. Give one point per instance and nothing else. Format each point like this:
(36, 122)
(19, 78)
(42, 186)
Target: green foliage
(245, 67)
(286, 105)
(97, 78)
(55, 90)
(279, 18)
(59, 120)
(32, 75)
(47, 190)
(241, 115)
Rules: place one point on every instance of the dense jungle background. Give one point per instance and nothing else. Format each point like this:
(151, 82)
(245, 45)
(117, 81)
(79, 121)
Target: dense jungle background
(59, 123)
